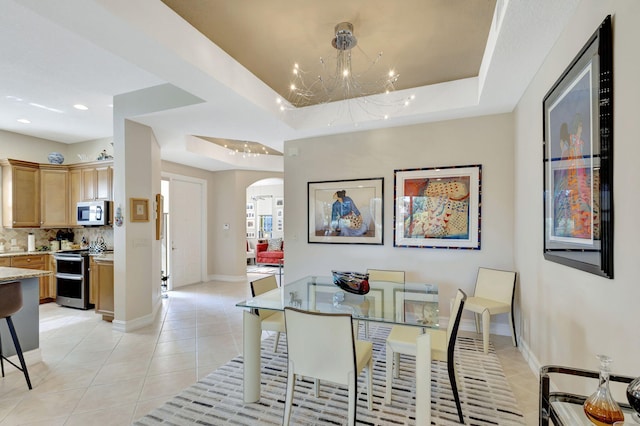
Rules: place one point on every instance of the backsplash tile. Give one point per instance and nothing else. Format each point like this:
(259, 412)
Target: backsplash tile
(43, 236)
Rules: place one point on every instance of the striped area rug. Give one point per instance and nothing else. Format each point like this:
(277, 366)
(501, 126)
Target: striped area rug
(217, 399)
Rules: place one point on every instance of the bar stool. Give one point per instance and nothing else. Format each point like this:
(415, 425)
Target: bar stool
(10, 303)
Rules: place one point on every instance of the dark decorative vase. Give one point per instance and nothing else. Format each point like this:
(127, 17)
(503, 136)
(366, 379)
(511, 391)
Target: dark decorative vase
(352, 282)
(633, 396)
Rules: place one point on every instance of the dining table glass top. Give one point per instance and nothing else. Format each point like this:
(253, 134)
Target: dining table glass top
(414, 304)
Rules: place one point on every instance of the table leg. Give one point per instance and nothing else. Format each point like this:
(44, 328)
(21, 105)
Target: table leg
(252, 333)
(423, 380)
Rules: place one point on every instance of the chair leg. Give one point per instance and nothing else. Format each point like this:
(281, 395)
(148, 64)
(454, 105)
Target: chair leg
(16, 343)
(370, 385)
(288, 402)
(1, 360)
(486, 326)
(513, 328)
(275, 343)
(316, 387)
(353, 396)
(396, 364)
(389, 375)
(476, 317)
(454, 389)
(366, 329)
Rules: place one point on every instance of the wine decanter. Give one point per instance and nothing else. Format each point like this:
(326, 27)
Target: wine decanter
(600, 407)
(633, 396)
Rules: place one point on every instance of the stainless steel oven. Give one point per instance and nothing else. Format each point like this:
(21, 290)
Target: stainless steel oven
(72, 279)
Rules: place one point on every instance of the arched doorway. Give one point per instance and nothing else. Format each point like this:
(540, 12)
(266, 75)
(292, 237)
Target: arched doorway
(264, 212)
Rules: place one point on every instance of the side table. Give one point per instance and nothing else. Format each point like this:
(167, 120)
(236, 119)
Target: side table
(564, 408)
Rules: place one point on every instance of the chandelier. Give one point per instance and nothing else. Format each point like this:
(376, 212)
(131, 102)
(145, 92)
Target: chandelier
(338, 81)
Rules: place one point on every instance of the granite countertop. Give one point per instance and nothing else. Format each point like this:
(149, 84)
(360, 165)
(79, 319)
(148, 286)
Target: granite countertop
(32, 253)
(12, 274)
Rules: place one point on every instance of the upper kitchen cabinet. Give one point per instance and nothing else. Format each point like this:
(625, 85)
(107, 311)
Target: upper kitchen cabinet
(20, 194)
(54, 196)
(97, 182)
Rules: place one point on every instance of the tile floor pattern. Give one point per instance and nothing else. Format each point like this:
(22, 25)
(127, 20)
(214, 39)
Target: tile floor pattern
(92, 375)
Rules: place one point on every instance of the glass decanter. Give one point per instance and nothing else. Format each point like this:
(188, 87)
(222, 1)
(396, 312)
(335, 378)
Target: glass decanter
(600, 407)
(633, 396)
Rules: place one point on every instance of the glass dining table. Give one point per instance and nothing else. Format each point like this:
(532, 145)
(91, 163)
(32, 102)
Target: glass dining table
(411, 304)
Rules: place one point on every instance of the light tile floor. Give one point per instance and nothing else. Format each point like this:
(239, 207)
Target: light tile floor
(92, 375)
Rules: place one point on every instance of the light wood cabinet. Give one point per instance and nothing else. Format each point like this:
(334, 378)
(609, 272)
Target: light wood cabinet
(102, 286)
(75, 195)
(97, 182)
(20, 194)
(5, 261)
(39, 262)
(54, 196)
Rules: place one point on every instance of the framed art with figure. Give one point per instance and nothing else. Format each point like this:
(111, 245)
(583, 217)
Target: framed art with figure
(578, 160)
(437, 207)
(345, 211)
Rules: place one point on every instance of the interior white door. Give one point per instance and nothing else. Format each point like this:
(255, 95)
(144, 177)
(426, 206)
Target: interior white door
(186, 199)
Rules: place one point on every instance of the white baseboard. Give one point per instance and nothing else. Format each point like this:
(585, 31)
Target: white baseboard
(232, 278)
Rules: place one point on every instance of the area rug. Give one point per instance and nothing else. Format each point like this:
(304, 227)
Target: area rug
(217, 399)
(257, 269)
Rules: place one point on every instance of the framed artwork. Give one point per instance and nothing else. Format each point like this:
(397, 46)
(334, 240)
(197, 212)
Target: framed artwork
(345, 211)
(249, 206)
(139, 209)
(279, 213)
(279, 202)
(159, 217)
(251, 234)
(251, 214)
(578, 160)
(437, 207)
(251, 224)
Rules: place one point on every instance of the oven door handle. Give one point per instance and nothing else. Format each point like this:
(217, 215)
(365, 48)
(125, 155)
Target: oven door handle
(69, 258)
(70, 277)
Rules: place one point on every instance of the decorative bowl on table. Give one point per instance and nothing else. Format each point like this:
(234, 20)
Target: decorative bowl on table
(352, 282)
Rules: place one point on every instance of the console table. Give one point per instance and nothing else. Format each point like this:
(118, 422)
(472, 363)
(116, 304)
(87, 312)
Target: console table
(564, 408)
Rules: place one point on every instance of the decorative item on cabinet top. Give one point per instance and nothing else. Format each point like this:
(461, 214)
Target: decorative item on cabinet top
(56, 158)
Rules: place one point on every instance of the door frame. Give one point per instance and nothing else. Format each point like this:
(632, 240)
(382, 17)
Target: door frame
(203, 223)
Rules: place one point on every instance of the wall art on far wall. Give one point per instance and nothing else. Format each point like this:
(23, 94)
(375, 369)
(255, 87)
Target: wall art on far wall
(578, 160)
(345, 211)
(437, 207)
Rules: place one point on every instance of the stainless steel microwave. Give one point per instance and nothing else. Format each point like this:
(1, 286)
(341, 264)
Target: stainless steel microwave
(93, 213)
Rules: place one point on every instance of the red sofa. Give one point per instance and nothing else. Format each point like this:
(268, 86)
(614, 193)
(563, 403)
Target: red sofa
(265, 256)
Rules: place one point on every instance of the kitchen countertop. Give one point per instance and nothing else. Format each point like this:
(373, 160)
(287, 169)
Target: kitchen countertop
(103, 257)
(12, 274)
(32, 253)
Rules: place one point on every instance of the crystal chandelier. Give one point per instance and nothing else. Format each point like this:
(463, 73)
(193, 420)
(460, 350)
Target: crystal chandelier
(338, 82)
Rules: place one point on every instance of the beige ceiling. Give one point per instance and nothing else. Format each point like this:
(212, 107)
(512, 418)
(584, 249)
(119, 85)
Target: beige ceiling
(425, 41)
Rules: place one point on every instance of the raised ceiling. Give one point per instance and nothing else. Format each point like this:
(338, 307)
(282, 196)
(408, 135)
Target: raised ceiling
(425, 41)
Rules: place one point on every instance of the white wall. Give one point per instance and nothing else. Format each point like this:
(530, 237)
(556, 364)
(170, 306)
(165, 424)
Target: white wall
(486, 140)
(569, 316)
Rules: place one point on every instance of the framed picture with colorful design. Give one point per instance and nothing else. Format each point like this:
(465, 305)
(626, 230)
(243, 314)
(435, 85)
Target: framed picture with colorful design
(437, 207)
(578, 160)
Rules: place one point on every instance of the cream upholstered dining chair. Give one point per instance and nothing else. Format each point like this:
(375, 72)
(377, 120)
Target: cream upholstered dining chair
(269, 320)
(331, 354)
(402, 340)
(383, 275)
(493, 295)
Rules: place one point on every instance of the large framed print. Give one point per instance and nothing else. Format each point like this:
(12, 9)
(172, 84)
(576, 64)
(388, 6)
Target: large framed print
(345, 211)
(437, 207)
(578, 160)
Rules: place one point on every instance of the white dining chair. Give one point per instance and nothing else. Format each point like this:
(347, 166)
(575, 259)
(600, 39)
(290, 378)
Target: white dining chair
(322, 346)
(402, 340)
(493, 294)
(388, 275)
(269, 320)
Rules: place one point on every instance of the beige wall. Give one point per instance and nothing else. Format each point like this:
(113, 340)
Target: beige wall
(28, 148)
(486, 140)
(225, 204)
(569, 316)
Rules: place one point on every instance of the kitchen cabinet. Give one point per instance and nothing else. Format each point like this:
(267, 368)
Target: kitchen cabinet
(75, 194)
(39, 262)
(54, 196)
(5, 261)
(97, 182)
(20, 194)
(102, 286)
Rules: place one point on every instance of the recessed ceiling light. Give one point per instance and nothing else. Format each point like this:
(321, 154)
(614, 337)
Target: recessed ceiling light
(80, 107)
(23, 120)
